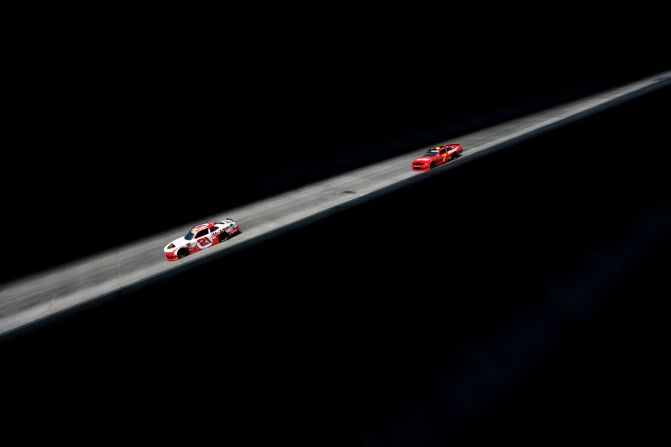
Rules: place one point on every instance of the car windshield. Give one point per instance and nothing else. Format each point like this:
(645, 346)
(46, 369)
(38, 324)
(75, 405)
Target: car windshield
(431, 153)
(189, 235)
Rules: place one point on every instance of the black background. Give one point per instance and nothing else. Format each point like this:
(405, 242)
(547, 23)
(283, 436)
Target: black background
(519, 296)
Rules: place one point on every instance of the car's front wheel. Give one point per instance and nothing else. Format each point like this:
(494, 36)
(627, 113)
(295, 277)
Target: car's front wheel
(223, 236)
(182, 252)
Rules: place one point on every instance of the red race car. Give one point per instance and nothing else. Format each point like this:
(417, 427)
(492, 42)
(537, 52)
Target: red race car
(436, 156)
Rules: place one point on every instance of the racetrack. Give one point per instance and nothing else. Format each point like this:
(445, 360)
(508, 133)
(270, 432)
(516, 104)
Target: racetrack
(36, 297)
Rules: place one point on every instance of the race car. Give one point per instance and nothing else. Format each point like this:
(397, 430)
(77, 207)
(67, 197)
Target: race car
(201, 237)
(436, 156)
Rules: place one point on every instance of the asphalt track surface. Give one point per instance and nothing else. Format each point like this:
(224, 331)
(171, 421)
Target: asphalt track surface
(36, 297)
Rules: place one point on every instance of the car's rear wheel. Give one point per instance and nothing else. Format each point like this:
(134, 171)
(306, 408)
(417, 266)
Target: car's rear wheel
(182, 252)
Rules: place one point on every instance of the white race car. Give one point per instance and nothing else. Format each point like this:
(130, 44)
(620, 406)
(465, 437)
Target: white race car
(201, 237)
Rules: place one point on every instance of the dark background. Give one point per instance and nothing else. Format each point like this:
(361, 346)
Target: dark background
(524, 299)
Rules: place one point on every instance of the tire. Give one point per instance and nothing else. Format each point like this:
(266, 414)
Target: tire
(182, 253)
(433, 165)
(223, 236)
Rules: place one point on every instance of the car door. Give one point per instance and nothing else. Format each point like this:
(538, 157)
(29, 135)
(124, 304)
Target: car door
(203, 239)
(444, 156)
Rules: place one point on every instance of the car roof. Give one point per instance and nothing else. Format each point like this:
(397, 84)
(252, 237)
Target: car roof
(201, 227)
